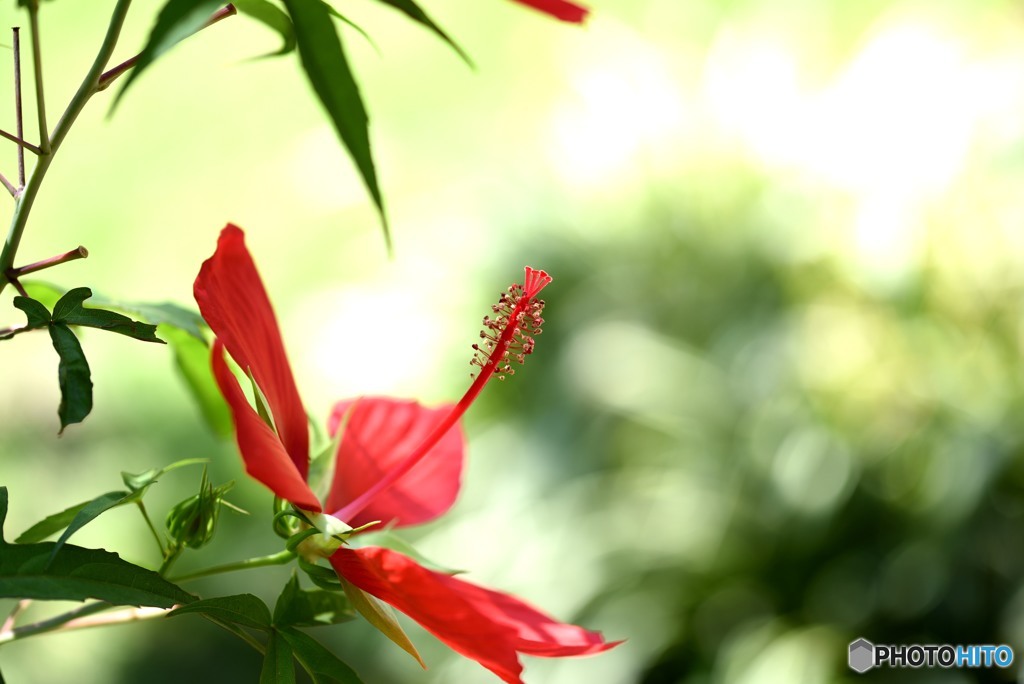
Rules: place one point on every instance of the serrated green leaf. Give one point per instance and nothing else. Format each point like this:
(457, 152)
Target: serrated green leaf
(381, 616)
(272, 17)
(177, 20)
(38, 316)
(192, 359)
(78, 573)
(73, 375)
(90, 512)
(239, 609)
(50, 525)
(278, 667)
(69, 310)
(416, 13)
(324, 62)
(323, 666)
(298, 607)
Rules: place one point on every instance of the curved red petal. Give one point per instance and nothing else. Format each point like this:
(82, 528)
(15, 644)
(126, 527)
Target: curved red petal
(559, 9)
(262, 452)
(379, 434)
(234, 302)
(484, 625)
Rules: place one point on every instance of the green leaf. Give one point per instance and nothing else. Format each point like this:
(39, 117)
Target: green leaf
(302, 608)
(139, 481)
(381, 616)
(239, 609)
(73, 375)
(278, 667)
(78, 573)
(164, 313)
(41, 291)
(37, 314)
(192, 359)
(323, 666)
(273, 18)
(88, 513)
(416, 13)
(69, 310)
(177, 20)
(50, 525)
(324, 62)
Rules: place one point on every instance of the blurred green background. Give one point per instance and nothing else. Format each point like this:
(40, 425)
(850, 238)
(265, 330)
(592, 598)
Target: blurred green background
(777, 403)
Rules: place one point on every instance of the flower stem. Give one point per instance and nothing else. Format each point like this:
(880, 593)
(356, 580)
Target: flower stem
(18, 117)
(49, 146)
(172, 555)
(152, 528)
(261, 561)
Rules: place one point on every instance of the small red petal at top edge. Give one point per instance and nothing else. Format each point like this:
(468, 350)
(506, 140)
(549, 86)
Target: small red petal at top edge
(560, 9)
(535, 281)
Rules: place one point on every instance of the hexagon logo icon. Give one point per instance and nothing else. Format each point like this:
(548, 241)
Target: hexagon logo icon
(862, 655)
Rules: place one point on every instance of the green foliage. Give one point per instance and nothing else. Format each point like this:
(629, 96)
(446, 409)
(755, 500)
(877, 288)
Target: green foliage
(73, 376)
(89, 512)
(325, 64)
(69, 310)
(37, 314)
(76, 574)
(274, 18)
(278, 667)
(177, 20)
(192, 359)
(241, 609)
(297, 607)
(322, 665)
(416, 13)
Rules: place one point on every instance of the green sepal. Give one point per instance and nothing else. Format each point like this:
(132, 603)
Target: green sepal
(381, 616)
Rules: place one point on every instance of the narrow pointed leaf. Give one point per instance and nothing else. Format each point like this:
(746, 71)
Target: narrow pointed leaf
(240, 609)
(78, 574)
(381, 616)
(73, 375)
(302, 608)
(35, 312)
(327, 68)
(416, 13)
(272, 17)
(69, 310)
(278, 667)
(88, 513)
(142, 480)
(323, 666)
(50, 525)
(177, 20)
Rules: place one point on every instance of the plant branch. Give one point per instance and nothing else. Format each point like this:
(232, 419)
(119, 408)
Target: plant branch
(37, 65)
(85, 91)
(113, 74)
(20, 141)
(77, 253)
(7, 184)
(79, 619)
(18, 117)
(259, 562)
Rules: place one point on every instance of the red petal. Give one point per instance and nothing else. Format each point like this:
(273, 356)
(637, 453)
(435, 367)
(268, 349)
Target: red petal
(481, 624)
(379, 434)
(262, 451)
(560, 9)
(233, 301)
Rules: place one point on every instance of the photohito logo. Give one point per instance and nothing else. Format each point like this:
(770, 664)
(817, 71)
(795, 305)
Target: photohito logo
(865, 655)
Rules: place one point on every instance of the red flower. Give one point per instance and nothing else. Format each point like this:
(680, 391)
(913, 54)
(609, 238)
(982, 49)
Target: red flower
(397, 462)
(560, 9)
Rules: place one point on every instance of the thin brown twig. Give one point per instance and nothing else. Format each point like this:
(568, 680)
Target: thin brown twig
(20, 141)
(77, 253)
(10, 186)
(19, 119)
(114, 73)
